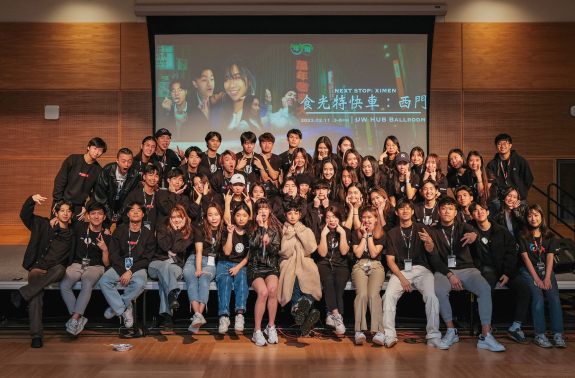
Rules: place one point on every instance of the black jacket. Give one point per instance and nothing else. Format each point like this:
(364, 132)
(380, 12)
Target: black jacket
(75, 181)
(257, 262)
(143, 251)
(173, 241)
(519, 173)
(105, 189)
(41, 237)
(505, 250)
(517, 218)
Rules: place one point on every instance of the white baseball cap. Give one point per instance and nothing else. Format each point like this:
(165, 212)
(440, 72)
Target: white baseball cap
(238, 179)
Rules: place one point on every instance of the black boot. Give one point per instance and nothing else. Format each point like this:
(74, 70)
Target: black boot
(17, 298)
(173, 300)
(168, 325)
(310, 321)
(303, 307)
(37, 342)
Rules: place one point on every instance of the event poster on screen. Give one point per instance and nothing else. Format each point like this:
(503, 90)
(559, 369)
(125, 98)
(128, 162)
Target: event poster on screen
(363, 86)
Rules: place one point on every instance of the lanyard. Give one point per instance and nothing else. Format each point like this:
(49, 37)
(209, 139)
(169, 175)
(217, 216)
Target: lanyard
(405, 239)
(505, 174)
(130, 246)
(449, 242)
(538, 247)
(151, 203)
(214, 241)
(162, 162)
(462, 217)
(432, 210)
(251, 159)
(88, 239)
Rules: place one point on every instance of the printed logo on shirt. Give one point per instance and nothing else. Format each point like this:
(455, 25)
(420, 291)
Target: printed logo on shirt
(533, 248)
(132, 242)
(150, 206)
(87, 241)
(239, 248)
(484, 240)
(84, 174)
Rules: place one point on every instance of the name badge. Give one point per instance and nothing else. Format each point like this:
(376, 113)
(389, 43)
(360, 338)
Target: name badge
(211, 261)
(367, 269)
(541, 269)
(128, 263)
(213, 168)
(451, 261)
(408, 265)
(85, 263)
(148, 225)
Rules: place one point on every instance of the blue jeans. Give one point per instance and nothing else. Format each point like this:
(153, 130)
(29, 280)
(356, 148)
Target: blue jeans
(494, 206)
(167, 275)
(538, 304)
(120, 302)
(198, 288)
(297, 294)
(225, 282)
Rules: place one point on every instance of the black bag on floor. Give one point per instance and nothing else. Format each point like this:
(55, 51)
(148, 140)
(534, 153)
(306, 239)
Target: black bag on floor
(564, 260)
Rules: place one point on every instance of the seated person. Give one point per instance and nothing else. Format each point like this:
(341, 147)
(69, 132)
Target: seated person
(175, 238)
(130, 252)
(454, 270)
(512, 212)
(231, 269)
(496, 258)
(428, 211)
(408, 250)
(90, 262)
(299, 278)
(464, 197)
(49, 251)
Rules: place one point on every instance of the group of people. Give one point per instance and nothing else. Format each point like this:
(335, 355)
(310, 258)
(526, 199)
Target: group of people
(294, 227)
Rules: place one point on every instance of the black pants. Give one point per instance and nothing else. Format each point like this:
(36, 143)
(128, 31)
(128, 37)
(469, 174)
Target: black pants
(517, 284)
(34, 294)
(333, 280)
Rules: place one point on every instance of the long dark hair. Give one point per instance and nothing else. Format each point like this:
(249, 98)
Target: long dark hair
(207, 228)
(439, 174)
(139, 154)
(484, 196)
(325, 140)
(333, 181)
(341, 140)
(307, 164)
(241, 206)
(450, 169)
(206, 181)
(247, 111)
(506, 193)
(528, 230)
(247, 76)
(342, 188)
(273, 223)
(188, 229)
(375, 172)
(354, 152)
(389, 164)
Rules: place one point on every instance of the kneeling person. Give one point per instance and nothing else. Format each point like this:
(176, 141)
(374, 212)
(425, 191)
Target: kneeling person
(407, 257)
(131, 250)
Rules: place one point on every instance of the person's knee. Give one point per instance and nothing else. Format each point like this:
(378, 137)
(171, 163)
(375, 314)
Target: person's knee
(361, 296)
(272, 292)
(262, 293)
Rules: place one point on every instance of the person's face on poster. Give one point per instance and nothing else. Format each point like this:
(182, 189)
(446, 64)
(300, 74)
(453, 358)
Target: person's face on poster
(255, 108)
(235, 86)
(291, 98)
(205, 84)
(178, 94)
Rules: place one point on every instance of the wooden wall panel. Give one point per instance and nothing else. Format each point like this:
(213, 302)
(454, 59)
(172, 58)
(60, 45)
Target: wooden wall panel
(444, 121)
(518, 56)
(539, 122)
(59, 56)
(544, 174)
(136, 73)
(137, 116)
(446, 57)
(83, 115)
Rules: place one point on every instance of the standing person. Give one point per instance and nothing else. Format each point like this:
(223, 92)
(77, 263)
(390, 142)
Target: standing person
(144, 157)
(114, 184)
(294, 137)
(537, 245)
(512, 213)
(286, 116)
(428, 211)
(299, 280)
(131, 250)
(348, 175)
(200, 268)
(238, 195)
(49, 251)
(417, 157)
(301, 165)
(89, 263)
(496, 258)
(165, 158)
(211, 158)
(510, 168)
(455, 270)
(371, 176)
(482, 181)
(192, 168)
(352, 159)
(201, 197)
(77, 177)
(332, 266)
(145, 194)
(263, 269)
(175, 238)
(456, 168)
(231, 269)
(387, 158)
(368, 275)
(272, 165)
(353, 201)
(434, 172)
(220, 180)
(401, 183)
(324, 152)
(290, 192)
(345, 143)
(250, 162)
(408, 249)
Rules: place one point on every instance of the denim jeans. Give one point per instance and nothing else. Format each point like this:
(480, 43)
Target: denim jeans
(167, 275)
(120, 302)
(297, 294)
(494, 206)
(198, 288)
(538, 304)
(226, 282)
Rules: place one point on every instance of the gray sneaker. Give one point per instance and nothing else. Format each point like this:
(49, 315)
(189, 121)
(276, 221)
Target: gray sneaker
(518, 336)
(558, 341)
(72, 326)
(450, 337)
(338, 324)
(128, 317)
(542, 341)
(259, 339)
(239, 323)
(330, 319)
(224, 324)
(109, 313)
(81, 323)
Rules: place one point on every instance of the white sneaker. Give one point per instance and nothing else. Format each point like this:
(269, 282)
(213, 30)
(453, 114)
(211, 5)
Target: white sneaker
(224, 324)
(450, 337)
(379, 338)
(490, 343)
(359, 338)
(390, 341)
(72, 326)
(191, 328)
(272, 334)
(330, 319)
(81, 323)
(438, 343)
(338, 323)
(239, 323)
(198, 320)
(128, 317)
(259, 338)
(109, 313)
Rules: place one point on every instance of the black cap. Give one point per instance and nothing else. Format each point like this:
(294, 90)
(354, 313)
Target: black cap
(302, 179)
(402, 157)
(161, 132)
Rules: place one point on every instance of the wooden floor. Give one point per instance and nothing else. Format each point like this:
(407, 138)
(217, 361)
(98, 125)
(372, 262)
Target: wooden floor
(204, 355)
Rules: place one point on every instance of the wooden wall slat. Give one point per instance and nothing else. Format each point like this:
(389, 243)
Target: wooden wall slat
(137, 116)
(444, 121)
(544, 173)
(59, 56)
(446, 57)
(135, 65)
(518, 56)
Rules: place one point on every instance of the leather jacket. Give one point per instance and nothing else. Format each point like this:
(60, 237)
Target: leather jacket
(258, 262)
(106, 186)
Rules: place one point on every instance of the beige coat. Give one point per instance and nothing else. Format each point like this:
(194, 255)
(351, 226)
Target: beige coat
(298, 243)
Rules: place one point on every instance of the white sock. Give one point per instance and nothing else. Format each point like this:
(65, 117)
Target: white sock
(515, 326)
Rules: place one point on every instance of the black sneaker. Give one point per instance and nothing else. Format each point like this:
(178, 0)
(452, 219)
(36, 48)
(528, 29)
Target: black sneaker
(310, 321)
(303, 307)
(517, 336)
(173, 300)
(16, 297)
(37, 342)
(168, 325)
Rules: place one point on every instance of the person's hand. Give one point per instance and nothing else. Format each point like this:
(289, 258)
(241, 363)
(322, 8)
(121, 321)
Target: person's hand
(171, 254)
(319, 157)
(381, 206)
(125, 279)
(455, 283)
(205, 107)
(468, 238)
(316, 202)
(284, 103)
(515, 205)
(266, 239)
(547, 283)
(182, 190)
(363, 230)
(340, 229)
(348, 203)
(234, 270)
(433, 175)
(426, 175)
(107, 232)
(229, 226)
(358, 203)
(82, 214)
(101, 244)
(539, 283)
(478, 173)
(173, 224)
(180, 153)
(292, 168)
(268, 97)
(325, 230)
(408, 174)
(503, 280)
(382, 156)
(242, 163)
(206, 189)
(260, 220)
(325, 203)
(199, 273)
(246, 198)
(38, 271)
(424, 236)
(53, 222)
(258, 164)
(38, 199)
(406, 285)
(198, 192)
(228, 197)
(167, 104)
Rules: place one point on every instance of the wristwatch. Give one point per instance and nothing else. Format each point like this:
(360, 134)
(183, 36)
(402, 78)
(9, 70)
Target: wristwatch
(370, 235)
(408, 181)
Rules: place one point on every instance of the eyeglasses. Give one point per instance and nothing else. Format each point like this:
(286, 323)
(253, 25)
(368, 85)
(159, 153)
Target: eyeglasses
(503, 143)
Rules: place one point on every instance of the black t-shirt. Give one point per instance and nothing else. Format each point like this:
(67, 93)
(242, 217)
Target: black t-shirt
(334, 257)
(286, 162)
(212, 248)
(356, 239)
(240, 247)
(211, 164)
(391, 187)
(485, 247)
(221, 183)
(535, 246)
(168, 161)
(251, 171)
(454, 180)
(428, 217)
(492, 189)
(275, 161)
(87, 244)
(397, 245)
(443, 237)
(59, 251)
